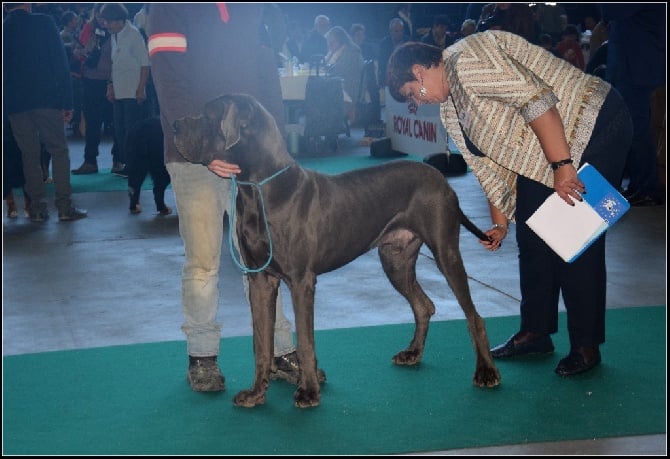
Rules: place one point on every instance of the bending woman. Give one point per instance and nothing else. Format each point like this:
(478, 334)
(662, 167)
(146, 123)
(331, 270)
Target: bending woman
(524, 121)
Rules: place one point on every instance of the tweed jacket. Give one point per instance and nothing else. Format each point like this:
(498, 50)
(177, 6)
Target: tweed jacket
(499, 83)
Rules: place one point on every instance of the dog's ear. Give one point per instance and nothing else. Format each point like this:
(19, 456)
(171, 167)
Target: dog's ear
(231, 123)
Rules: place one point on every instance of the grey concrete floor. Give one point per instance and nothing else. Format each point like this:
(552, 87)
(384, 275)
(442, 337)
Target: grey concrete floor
(114, 279)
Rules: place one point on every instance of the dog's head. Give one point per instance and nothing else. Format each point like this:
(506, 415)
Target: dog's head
(225, 123)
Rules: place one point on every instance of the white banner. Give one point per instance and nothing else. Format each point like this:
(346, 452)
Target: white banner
(418, 132)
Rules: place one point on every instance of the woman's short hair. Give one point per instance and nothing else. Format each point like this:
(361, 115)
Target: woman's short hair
(399, 70)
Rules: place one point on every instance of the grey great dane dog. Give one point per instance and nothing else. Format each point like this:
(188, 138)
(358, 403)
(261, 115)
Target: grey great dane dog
(317, 223)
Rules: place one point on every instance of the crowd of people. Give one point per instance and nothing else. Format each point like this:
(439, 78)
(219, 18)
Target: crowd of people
(108, 60)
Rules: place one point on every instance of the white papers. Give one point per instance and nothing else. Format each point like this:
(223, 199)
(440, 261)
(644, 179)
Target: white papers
(569, 230)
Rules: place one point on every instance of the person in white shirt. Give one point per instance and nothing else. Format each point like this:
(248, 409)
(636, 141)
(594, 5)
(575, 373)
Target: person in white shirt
(127, 89)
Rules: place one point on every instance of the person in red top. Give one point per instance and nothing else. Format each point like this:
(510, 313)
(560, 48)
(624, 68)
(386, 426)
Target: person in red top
(569, 48)
(96, 55)
(198, 52)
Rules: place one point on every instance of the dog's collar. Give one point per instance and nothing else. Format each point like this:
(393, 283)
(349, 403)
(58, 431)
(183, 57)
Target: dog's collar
(231, 219)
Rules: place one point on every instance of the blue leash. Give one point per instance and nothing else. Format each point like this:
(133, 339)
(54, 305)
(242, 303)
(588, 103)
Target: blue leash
(231, 219)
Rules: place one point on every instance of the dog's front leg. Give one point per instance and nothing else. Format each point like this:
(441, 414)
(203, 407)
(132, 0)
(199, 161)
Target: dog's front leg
(302, 293)
(263, 291)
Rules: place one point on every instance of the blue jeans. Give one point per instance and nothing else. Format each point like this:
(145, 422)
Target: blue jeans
(95, 104)
(202, 199)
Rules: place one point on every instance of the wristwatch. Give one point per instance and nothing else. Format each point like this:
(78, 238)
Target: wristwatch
(563, 162)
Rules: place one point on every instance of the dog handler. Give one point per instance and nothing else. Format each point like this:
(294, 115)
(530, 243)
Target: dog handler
(199, 51)
(524, 121)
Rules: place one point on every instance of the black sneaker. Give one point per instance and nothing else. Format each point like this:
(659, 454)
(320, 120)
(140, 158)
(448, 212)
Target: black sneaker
(123, 173)
(117, 166)
(204, 375)
(38, 216)
(38, 213)
(286, 367)
(86, 168)
(119, 169)
(72, 214)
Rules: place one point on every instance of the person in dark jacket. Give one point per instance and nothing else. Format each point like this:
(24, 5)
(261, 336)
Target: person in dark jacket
(38, 100)
(395, 37)
(190, 68)
(315, 44)
(636, 66)
(439, 34)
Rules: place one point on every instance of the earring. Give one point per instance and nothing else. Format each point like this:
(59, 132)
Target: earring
(422, 90)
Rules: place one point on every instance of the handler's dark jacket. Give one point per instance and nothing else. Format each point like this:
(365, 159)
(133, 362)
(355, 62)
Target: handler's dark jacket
(199, 51)
(35, 67)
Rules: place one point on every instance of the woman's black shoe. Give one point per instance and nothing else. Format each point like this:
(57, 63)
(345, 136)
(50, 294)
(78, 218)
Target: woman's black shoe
(576, 363)
(540, 345)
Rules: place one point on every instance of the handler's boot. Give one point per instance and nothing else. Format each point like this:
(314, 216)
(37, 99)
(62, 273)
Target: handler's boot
(204, 374)
(286, 367)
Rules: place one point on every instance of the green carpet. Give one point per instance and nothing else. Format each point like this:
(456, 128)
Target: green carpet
(106, 181)
(135, 400)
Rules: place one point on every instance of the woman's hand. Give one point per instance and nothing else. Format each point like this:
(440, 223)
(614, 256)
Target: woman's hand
(567, 184)
(223, 169)
(496, 235)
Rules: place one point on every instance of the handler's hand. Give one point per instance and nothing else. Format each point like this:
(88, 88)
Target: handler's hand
(496, 236)
(567, 184)
(223, 169)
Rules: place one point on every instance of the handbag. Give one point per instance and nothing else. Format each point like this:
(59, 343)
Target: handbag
(93, 57)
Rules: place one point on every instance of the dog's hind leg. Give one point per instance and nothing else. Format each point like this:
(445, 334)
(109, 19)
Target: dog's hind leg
(263, 290)
(448, 258)
(398, 253)
(137, 172)
(161, 180)
(302, 294)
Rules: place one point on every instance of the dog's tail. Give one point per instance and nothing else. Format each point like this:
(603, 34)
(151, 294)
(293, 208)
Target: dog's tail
(465, 221)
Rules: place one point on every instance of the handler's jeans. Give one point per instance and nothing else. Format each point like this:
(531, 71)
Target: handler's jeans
(202, 199)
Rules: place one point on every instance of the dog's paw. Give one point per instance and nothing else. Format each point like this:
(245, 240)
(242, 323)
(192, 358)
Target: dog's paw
(486, 377)
(249, 398)
(306, 398)
(136, 210)
(407, 357)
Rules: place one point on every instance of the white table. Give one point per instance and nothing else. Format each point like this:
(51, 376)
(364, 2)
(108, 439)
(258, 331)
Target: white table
(293, 87)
